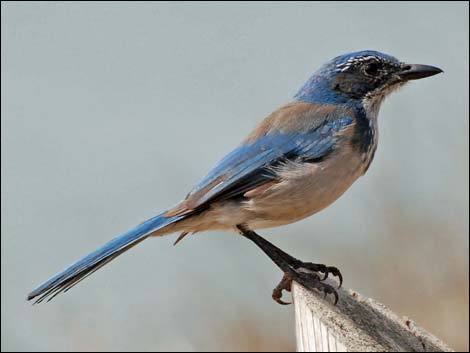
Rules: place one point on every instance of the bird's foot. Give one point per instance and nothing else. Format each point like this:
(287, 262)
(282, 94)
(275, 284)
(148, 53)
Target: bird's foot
(304, 273)
(326, 270)
(310, 280)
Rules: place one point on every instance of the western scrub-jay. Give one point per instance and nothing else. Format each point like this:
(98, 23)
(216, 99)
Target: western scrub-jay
(295, 163)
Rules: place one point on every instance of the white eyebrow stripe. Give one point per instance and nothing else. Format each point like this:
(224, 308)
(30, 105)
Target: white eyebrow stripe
(346, 65)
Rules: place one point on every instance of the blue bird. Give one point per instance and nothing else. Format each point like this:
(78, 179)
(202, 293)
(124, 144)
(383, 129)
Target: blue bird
(296, 162)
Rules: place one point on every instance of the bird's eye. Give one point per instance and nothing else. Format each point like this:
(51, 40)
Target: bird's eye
(372, 69)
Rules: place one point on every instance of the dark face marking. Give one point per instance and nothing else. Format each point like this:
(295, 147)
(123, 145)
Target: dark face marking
(365, 74)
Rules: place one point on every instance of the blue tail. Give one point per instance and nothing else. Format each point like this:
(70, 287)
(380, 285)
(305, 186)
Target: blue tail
(84, 267)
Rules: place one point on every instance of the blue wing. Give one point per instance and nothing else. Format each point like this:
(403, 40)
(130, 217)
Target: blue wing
(250, 164)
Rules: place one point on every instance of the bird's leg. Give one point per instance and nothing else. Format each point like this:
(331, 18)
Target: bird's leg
(294, 269)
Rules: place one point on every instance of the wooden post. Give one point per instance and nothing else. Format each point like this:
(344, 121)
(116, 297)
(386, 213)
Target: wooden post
(355, 324)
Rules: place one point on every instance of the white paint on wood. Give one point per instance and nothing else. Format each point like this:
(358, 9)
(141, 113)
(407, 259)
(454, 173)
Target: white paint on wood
(355, 324)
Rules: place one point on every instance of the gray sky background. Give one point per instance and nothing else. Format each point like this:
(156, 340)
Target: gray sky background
(111, 112)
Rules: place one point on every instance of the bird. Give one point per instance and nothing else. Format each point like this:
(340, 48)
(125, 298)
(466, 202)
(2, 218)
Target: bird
(296, 162)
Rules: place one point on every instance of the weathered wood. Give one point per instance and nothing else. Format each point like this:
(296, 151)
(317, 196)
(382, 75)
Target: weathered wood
(355, 324)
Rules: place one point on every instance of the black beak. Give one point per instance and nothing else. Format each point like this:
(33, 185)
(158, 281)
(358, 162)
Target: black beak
(416, 71)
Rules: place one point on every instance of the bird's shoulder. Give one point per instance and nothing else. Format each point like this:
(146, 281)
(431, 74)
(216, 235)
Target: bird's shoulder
(297, 130)
(302, 118)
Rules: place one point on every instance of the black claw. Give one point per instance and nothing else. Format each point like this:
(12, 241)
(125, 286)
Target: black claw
(335, 293)
(335, 272)
(338, 274)
(327, 289)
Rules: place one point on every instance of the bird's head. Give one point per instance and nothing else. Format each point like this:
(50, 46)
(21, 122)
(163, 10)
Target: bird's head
(366, 76)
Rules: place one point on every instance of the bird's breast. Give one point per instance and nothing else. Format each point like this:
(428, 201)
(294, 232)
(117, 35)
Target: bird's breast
(303, 189)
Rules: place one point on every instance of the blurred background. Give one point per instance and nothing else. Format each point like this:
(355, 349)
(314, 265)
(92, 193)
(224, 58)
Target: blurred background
(111, 112)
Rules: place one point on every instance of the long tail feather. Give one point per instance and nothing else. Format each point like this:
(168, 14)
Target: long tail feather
(84, 267)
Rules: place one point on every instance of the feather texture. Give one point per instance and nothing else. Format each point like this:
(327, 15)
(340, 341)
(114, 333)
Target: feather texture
(84, 267)
(278, 139)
